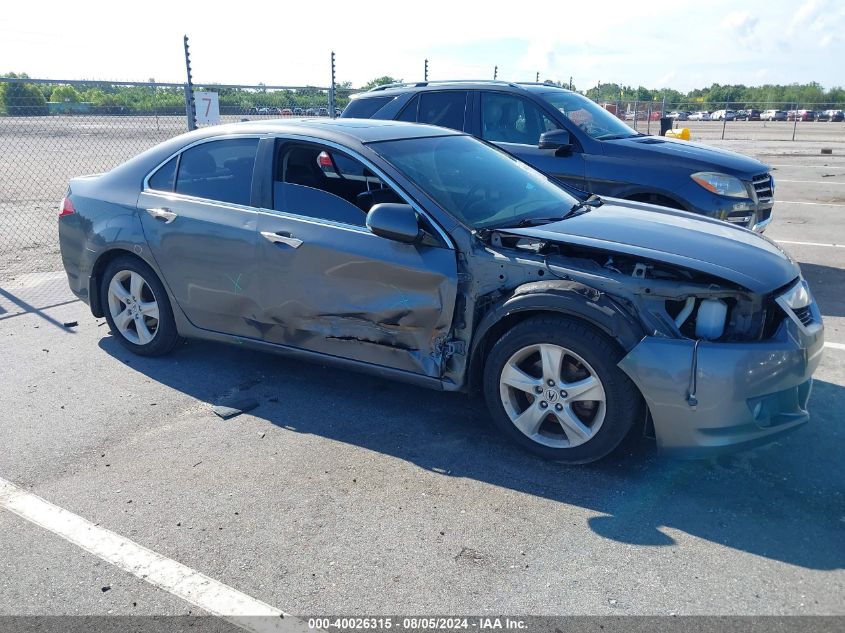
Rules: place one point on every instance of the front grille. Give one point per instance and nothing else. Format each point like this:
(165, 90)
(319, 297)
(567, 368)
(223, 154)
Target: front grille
(764, 214)
(805, 315)
(763, 188)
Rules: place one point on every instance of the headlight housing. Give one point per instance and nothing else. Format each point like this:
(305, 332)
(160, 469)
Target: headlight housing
(721, 184)
(797, 297)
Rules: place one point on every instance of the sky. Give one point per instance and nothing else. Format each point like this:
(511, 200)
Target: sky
(680, 44)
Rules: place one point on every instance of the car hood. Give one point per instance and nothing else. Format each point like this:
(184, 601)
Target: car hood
(675, 237)
(699, 157)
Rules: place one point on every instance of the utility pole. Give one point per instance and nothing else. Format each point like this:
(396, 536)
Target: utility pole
(331, 92)
(570, 82)
(425, 74)
(190, 110)
(537, 79)
(495, 72)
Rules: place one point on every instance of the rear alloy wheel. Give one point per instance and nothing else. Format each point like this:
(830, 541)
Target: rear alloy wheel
(137, 308)
(552, 385)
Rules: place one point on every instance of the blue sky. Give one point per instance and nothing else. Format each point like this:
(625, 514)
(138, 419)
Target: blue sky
(680, 44)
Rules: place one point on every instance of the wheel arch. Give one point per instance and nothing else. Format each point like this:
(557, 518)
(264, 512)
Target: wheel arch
(566, 298)
(99, 267)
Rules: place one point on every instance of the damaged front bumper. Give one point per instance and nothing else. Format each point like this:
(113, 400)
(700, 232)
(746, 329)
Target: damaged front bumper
(726, 396)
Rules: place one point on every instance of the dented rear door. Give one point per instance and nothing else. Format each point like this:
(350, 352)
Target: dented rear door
(338, 289)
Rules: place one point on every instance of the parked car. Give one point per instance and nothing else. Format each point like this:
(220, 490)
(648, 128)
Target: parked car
(829, 115)
(805, 115)
(678, 115)
(699, 116)
(311, 112)
(773, 115)
(322, 112)
(286, 112)
(443, 261)
(748, 115)
(723, 115)
(603, 155)
(298, 112)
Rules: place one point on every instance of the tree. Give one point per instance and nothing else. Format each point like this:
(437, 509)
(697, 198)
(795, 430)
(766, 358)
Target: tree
(380, 81)
(21, 99)
(65, 93)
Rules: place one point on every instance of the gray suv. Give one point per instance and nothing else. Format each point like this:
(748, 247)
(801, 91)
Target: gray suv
(601, 155)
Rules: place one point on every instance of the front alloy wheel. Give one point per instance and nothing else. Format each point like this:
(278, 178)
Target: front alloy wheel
(553, 386)
(552, 395)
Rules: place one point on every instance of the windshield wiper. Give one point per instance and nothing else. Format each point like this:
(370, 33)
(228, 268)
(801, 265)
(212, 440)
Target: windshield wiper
(585, 206)
(614, 137)
(579, 208)
(538, 221)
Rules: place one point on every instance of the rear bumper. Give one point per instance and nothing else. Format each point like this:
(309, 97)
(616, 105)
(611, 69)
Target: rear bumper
(747, 393)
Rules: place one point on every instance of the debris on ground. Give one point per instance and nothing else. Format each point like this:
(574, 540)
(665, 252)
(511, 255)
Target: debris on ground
(71, 324)
(234, 406)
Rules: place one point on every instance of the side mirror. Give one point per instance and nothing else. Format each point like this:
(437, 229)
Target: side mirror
(558, 140)
(394, 221)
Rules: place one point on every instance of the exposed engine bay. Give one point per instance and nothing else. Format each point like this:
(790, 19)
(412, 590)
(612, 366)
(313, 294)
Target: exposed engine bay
(670, 300)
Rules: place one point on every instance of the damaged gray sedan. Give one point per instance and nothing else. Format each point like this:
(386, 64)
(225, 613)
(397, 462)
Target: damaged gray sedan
(428, 256)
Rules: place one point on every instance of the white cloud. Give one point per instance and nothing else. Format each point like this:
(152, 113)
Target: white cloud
(741, 23)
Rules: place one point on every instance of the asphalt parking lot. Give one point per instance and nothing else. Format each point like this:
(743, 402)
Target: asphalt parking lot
(347, 494)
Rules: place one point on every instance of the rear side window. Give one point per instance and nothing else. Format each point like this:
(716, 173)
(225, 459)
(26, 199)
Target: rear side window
(218, 170)
(165, 177)
(365, 108)
(445, 109)
(409, 112)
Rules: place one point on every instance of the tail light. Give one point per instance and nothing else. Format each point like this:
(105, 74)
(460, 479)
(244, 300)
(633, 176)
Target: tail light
(66, 208)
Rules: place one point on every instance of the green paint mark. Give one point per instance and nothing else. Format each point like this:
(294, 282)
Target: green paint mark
(236, 282)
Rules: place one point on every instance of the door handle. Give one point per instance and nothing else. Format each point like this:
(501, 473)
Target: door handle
(165, 215)
(282, 237)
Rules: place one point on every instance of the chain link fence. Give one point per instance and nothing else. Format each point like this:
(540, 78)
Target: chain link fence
(51, 132)
(764, 121)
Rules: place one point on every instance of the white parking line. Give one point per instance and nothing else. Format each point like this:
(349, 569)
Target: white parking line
(813, 182)
(835, 346)
(808, 243)
(815, 204)
(190, 585)
(807, 165)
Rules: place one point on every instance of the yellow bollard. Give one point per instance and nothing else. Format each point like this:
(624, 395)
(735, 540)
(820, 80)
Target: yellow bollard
(681, 133)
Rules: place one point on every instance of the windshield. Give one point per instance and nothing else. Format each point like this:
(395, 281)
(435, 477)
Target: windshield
(481, 186)
(588, 115)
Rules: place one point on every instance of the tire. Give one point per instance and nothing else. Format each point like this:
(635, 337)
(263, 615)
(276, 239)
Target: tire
(143, 324)
(607, 411)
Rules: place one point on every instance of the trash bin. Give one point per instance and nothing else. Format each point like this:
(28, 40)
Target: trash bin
(665, 125)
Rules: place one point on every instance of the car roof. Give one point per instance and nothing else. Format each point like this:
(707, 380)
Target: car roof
(393, 90)
(360, 130)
